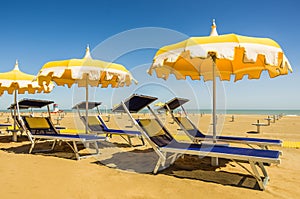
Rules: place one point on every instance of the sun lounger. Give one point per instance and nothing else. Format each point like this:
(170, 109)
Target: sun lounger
(195, 134)
(41, 128)
(163, 144)
(97, 125)
(4, 126)
(23, 105)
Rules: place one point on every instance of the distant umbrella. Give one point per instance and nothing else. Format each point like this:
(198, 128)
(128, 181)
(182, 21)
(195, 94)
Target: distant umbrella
(16, 82)
(160, 104)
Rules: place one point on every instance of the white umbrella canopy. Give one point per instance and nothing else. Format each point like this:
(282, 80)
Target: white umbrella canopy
(85, 72)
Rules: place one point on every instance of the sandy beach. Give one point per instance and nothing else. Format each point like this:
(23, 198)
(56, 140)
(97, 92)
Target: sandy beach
(122, 171)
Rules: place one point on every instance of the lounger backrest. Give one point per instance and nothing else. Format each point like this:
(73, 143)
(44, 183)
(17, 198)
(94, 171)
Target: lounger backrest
(189, 126)
(102, 122)
(19, 123)
(185, 123)
(157, 133)
(93, 123)
(39, 125)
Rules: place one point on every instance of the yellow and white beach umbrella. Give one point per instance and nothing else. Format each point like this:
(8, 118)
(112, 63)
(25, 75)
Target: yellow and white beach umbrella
(16, 82)
(85, 72)
(220, 56)
(160, 104)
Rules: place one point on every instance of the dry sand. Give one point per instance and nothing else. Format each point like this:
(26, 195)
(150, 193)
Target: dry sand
(124, 172)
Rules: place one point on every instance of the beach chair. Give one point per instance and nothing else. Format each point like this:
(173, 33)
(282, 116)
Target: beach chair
(42, 129)
(96, 124)
(195, 134)
(167, 148)
(4, 126)
(24, 104)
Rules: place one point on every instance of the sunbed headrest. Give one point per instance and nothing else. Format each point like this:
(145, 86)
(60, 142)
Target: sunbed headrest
(135, 103)
(174, 103)
(31, 103)
(82, 105)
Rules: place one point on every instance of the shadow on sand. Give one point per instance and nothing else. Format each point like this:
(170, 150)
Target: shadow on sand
(61, 150)
(187, 167)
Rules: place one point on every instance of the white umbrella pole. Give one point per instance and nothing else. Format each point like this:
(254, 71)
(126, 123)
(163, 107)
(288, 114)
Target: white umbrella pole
(86, 104)
(15, 102)
(16, 108)
(214, 104)
(214, 161)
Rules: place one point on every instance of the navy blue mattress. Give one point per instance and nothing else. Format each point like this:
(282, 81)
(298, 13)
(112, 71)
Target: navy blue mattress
(82, 136)
(200, 135)
(225, 150)
(117, 131)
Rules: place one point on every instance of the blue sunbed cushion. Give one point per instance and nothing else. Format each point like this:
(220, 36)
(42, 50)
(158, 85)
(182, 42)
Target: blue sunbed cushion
(198, 134)
(226, 150)
(273, 141)
(81, 136)
(117, 131)
(122, 132)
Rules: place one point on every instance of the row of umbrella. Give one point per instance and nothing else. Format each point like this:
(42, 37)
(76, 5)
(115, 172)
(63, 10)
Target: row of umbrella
(205, 57)
(84, 72)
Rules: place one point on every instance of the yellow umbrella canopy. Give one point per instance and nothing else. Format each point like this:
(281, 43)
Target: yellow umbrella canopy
(160, 104)
(234, 55)
(16, 80)
(68, 72)
(220, 56)
(85, 72)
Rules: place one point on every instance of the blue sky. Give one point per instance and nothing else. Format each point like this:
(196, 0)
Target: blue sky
(35, 32)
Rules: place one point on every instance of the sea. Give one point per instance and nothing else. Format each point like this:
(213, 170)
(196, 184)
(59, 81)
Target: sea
(249, 112)
(209, 111)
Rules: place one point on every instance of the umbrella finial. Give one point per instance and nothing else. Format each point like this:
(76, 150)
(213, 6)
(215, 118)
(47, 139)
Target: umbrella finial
(87, 53)
(16, 65)
(214, 29)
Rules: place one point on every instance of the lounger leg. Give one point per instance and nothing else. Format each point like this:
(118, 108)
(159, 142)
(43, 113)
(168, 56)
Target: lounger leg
(97, 148)
(163, 162)
(129, 140)
(257, 176)
(76, 150)
(142, 139)
(53, 145)
(264, 171)
(157, 165)
(214, 161)
(32, 145)
(174, 158)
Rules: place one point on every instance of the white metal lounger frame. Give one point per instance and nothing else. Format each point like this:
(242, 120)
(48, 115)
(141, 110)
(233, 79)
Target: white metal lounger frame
(108, 134)
(34, 138)
(162, 152)
(128, 140)
(262, 145)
